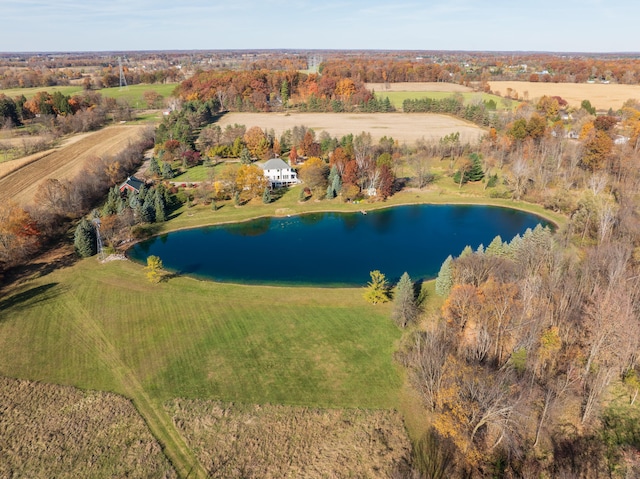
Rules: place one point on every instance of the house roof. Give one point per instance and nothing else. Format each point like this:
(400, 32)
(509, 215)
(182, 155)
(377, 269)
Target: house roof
(275, 164)
(133, 182)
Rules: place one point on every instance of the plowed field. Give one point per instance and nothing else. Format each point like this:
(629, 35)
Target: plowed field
(64, 163)
(404, 127)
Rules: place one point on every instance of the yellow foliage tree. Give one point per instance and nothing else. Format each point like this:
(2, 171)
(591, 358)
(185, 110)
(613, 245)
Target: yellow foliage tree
(250, 181)
(154, 269)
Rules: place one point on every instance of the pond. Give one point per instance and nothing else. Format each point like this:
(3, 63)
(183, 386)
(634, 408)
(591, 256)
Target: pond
(334, 249)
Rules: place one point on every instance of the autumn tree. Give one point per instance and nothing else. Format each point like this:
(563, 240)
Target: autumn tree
(19, 234)
(154, 269)
(257, 142)
(250, 181)
(377, 290)
(596, 151)
(314, 172)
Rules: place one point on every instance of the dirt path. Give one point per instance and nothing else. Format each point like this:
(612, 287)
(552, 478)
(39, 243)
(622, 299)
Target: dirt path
(159, 422)
(66, 162)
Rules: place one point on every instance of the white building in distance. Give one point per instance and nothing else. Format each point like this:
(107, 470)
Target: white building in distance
(279, 173)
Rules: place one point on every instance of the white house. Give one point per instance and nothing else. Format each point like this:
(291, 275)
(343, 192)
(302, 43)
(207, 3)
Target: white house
(279, 173)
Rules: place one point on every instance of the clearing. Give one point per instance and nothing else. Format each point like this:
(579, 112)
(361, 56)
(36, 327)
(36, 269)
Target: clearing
(602, 96)
(20, 184)
(403, 127)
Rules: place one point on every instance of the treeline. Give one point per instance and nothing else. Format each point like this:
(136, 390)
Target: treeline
(480, 113)
(372, 70)
(269, 90)
(57, 203)
(106, 77)
(60, 113)
(515, 368)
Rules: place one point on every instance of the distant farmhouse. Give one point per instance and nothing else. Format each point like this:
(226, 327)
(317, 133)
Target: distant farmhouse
(132, 184)
(279, 173)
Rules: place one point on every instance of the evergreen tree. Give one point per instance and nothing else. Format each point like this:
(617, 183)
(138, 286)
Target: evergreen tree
(245, 157)
(266, 196)
(154, 167)
(160, 207)
(336, 184)
(111, 205)
(148, 211)
(331, 193)
(405, 310)
(496, 247)
(466, 251)
(84, 239)
(377, 290)
(167, 171)
(284, 92)
(444, 281)
(514, 247)
(476, 173)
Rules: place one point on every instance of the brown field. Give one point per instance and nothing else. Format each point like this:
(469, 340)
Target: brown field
(20, 184)
(270, 441)
(59, 431)
(404, 127)
(601, 96)
(418, 86)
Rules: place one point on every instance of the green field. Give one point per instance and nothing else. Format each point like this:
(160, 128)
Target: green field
(133, 94)
(196, 339)
(398, 97)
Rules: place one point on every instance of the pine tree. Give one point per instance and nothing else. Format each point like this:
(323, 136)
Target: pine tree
(336, 184)
(167, 171)
(160, 208)
(84, 239)
(266, 196)
(476, 173)
(377, 290)
(331, 193)
(496, 247)
(284, 92)
(148, 210)
(444, 281)
(111, 205)
(405, 310)
(154, 167)
(245, 157)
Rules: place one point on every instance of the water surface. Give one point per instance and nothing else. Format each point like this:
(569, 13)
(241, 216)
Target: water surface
(334, 249)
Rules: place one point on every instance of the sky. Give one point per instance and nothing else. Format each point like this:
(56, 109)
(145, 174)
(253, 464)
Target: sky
(471, 25)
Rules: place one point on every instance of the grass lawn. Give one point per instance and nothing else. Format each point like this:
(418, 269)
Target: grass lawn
(198, 173)
(397, 97)
(196, 339)
(133, 94)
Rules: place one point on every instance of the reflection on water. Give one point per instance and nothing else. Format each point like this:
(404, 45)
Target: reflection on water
(334, 248)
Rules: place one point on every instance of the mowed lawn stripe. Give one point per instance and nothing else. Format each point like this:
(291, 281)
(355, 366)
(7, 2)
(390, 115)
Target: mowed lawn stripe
(104, 326)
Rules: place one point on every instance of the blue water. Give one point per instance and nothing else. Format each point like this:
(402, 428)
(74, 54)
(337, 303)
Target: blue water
(334, 249)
